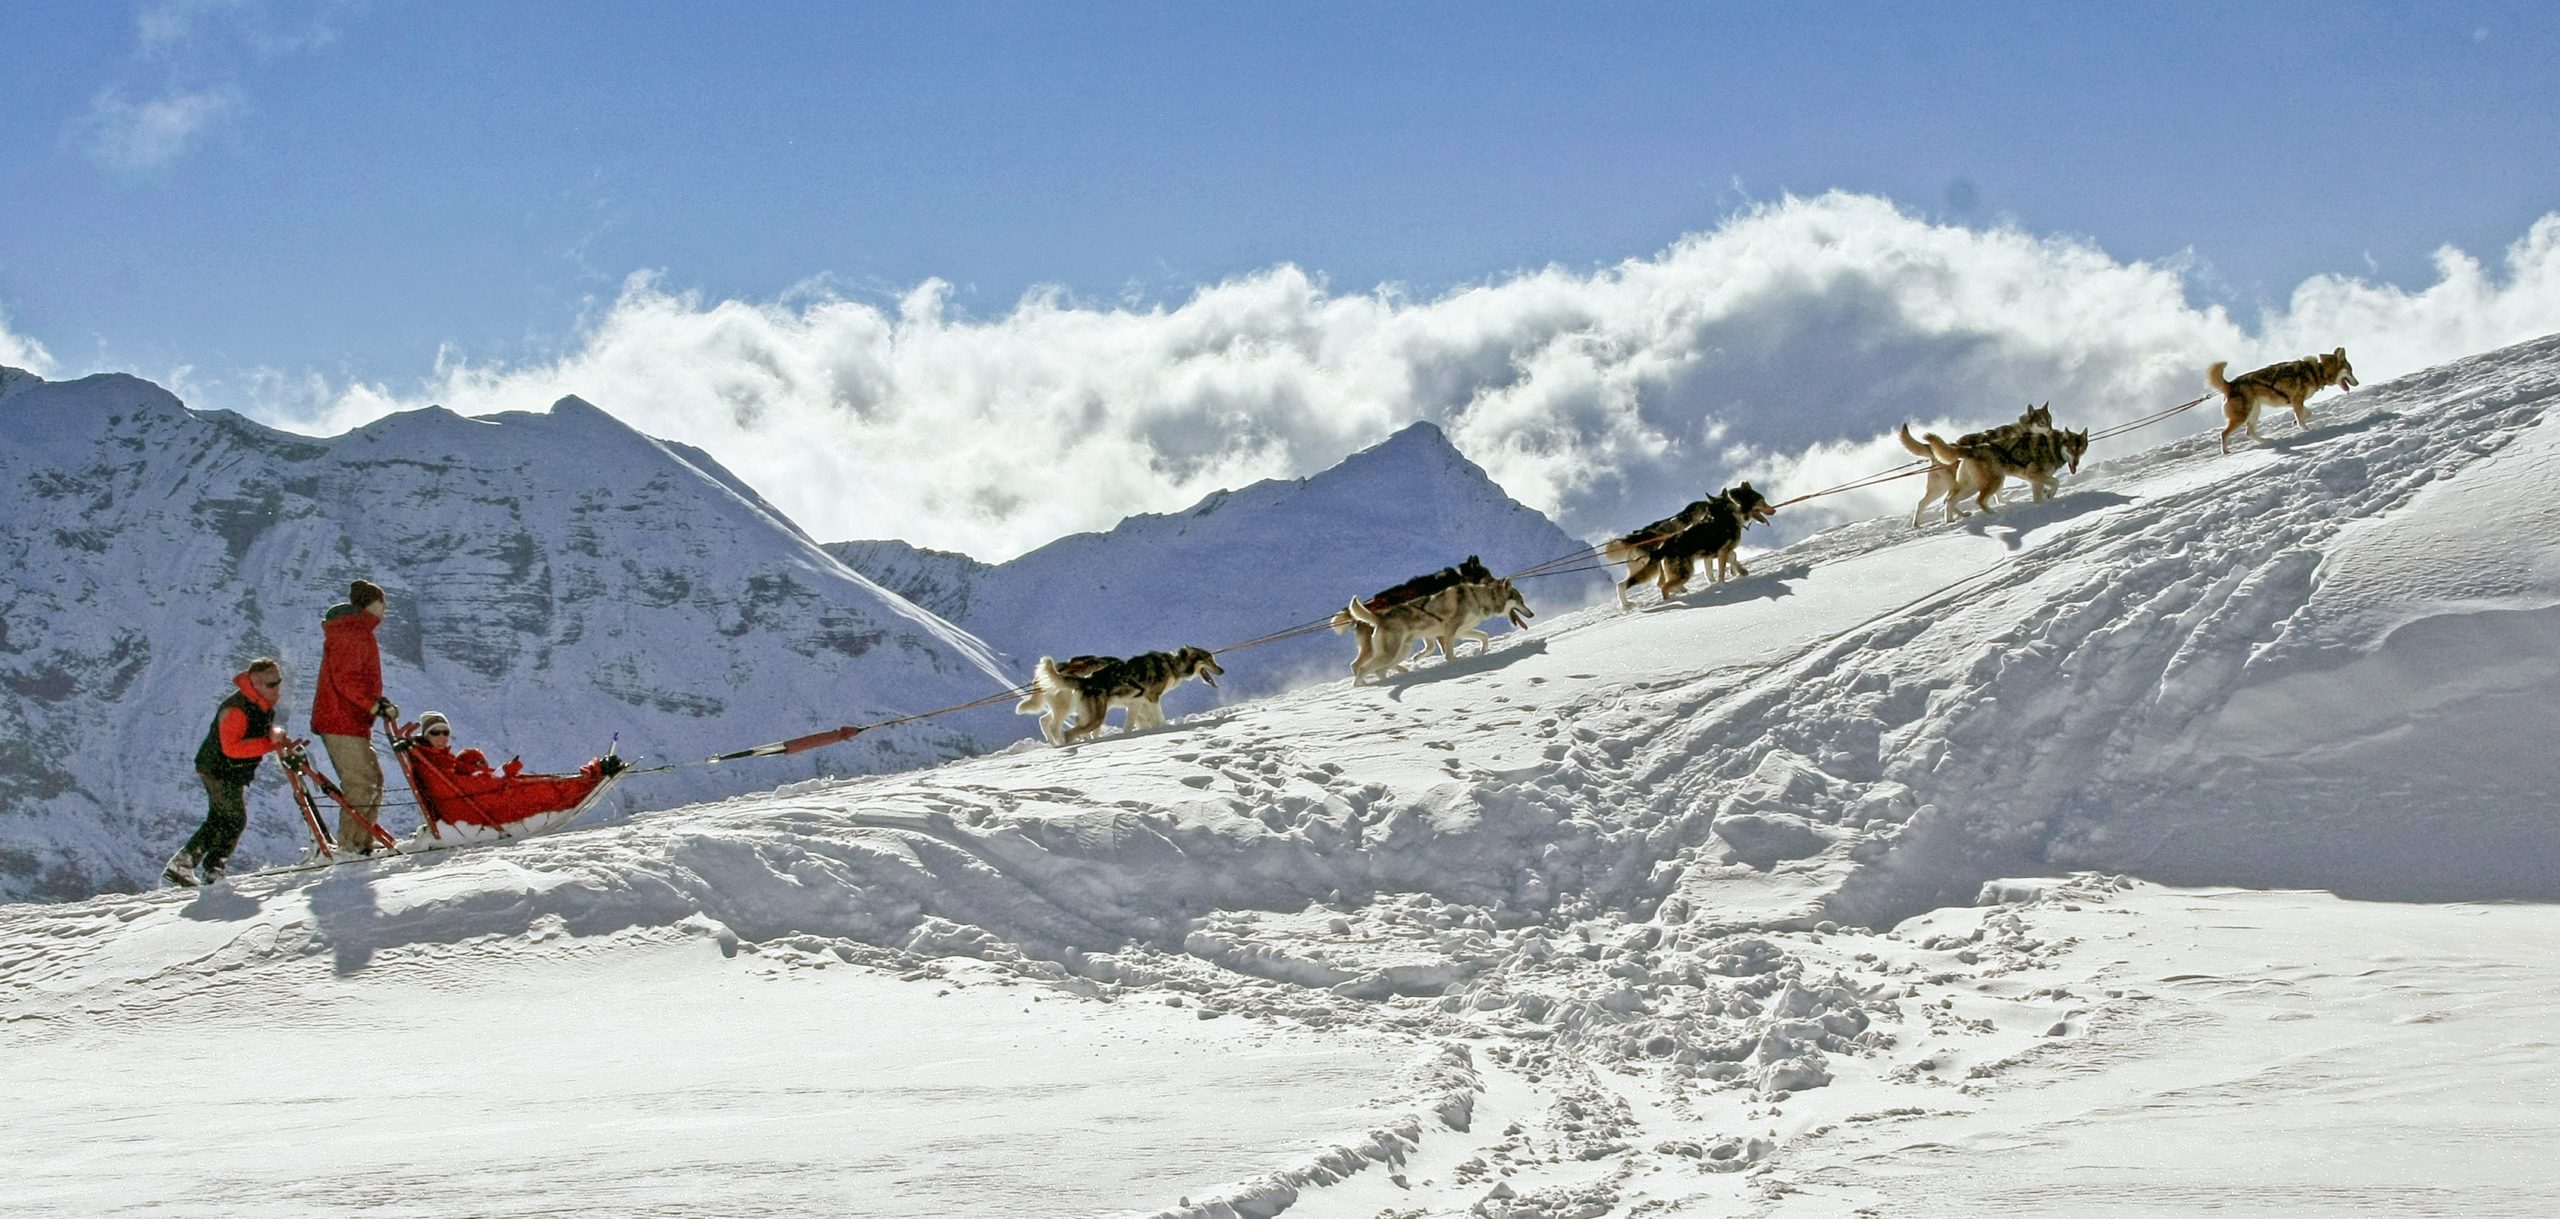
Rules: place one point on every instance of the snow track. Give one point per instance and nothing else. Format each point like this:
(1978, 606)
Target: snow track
(1715, 904)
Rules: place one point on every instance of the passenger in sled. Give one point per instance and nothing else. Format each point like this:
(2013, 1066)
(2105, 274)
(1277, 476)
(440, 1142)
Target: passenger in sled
(462, 788)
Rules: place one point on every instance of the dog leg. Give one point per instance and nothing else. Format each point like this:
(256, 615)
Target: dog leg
(1089, 719)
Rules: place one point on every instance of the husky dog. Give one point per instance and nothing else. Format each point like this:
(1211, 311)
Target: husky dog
(1086, 688)
(1446, 618)
(1942, 475)
(1471, 571)
(1983, 466)
(1667, 551)
(2288, 384)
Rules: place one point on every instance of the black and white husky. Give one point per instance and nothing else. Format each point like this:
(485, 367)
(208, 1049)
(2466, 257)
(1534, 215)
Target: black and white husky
(1084, 689)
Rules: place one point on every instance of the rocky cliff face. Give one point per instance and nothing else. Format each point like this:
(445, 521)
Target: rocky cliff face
(556, 579)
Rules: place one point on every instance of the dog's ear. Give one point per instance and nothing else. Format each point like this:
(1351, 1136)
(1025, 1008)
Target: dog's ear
(2341, 353)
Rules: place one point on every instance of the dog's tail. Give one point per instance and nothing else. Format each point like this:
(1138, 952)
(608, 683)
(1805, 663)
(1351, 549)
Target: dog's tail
(1044, 680)
(1914, 445)
(1942, 452)
(1360, 613)
(2213, 377)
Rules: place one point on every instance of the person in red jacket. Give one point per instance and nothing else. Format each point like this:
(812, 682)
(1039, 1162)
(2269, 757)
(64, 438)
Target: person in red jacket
(243, 731)
(463, 787)
(344, 707)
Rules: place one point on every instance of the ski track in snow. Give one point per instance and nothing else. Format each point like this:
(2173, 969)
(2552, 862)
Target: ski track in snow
(1706, 906)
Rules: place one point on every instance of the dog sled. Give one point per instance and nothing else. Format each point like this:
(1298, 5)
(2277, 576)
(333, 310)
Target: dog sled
(460, 803)
(456, 808)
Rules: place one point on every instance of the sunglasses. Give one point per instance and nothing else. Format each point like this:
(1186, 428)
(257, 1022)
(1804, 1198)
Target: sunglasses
(439, 732)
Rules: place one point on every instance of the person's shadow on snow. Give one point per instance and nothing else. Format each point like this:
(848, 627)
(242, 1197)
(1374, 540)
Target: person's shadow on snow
(344, 912)
(220, 904)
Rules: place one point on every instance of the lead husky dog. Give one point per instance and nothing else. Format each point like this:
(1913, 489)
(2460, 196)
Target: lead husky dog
(1447, 618)
(2288, 384)
(1942, 474)
(1982, 467)
(1086, 688)
(1667, 551)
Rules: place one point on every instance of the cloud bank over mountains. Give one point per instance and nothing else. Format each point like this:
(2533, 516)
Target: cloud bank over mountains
(1782, 345)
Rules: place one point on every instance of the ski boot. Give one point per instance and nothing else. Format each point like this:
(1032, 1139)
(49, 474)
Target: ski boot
(181, 871)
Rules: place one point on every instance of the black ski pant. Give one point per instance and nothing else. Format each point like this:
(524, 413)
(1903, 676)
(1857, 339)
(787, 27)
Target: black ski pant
(226, 813)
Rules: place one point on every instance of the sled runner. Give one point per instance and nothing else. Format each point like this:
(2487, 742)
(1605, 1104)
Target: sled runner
(299, 772)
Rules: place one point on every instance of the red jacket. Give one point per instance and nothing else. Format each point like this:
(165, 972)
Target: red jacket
(238, 737)
(350, 673)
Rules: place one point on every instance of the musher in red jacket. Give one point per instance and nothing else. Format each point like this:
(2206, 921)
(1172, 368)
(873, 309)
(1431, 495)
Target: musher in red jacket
(344, 707)
(243, 731)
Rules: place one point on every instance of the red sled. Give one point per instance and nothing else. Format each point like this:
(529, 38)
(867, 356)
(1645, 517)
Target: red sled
(461, 799)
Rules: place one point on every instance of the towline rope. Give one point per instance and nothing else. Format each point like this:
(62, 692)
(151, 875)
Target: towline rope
(1578, 562)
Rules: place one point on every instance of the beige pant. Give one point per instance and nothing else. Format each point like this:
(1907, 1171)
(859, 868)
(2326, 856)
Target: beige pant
(360, 777)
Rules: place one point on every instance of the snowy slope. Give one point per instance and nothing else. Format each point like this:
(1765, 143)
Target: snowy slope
(1242, 564)
(556, 578)
(1834, 890)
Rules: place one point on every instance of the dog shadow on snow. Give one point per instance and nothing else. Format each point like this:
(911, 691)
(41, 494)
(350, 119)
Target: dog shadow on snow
(2283, 437)
(2012, 523)
(1205, 719)
(1395, 684)
(1766, 584)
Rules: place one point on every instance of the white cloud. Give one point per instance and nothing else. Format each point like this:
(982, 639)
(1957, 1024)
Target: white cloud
(134, 136)
(1783, 345)
(19, 351)
(170, 24)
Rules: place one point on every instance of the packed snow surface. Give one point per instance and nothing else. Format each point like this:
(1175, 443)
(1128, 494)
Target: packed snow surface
(2027, 865)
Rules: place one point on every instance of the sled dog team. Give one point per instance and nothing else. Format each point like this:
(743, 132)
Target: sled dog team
(1437, 612)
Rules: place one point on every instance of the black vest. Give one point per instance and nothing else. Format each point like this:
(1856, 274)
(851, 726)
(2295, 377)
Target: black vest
(209, 756)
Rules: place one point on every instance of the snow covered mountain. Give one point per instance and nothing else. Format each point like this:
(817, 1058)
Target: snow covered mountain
(555, 578)
(1242, 564)
(1834, 890)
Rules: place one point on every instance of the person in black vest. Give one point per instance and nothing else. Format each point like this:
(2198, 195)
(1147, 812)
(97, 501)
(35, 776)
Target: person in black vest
(243, 731)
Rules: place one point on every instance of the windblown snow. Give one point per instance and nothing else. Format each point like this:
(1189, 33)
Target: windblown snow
(2181, 844)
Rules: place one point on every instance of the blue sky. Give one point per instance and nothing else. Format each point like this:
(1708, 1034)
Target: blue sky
(274, 202)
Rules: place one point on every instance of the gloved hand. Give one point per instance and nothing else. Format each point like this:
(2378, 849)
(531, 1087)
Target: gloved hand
(275, 736)
(609, 766)
(384, 708)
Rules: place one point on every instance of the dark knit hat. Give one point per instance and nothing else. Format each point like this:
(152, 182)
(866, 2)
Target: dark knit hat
(363, 593)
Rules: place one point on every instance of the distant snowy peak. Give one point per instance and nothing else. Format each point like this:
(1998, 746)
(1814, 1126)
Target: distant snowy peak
(938, 580)
(75, 414)
(1239, 564)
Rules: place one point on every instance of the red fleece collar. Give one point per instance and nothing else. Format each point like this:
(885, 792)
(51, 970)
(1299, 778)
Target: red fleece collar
(250, 688)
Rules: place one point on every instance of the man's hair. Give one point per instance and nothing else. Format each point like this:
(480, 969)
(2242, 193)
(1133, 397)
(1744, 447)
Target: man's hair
(363, 593)
(264, 664)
